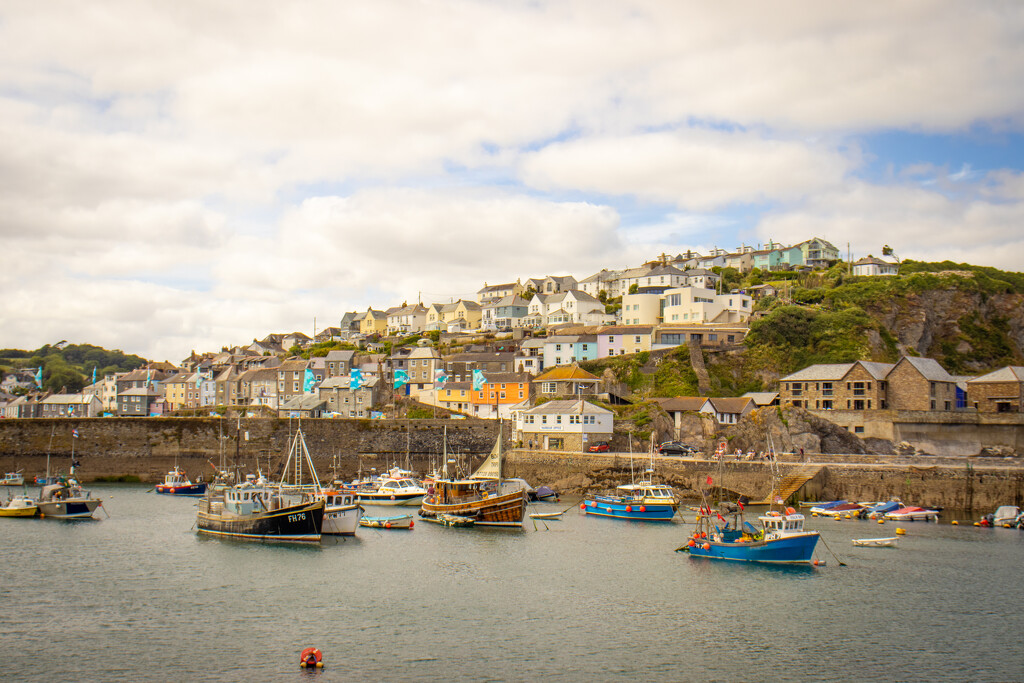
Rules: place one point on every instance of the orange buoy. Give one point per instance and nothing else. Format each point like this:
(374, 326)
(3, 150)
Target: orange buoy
(643, 508)
(311, 658)
(790, 511)
(583, 506)
(387, 525)
(412, 523)
(692, 543)
(707, 546)
(629, 508)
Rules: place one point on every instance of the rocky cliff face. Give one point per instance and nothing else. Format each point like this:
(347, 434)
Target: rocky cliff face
(788, 430)
(966, 331)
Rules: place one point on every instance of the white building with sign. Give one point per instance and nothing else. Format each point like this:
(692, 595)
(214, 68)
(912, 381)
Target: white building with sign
(564, 426)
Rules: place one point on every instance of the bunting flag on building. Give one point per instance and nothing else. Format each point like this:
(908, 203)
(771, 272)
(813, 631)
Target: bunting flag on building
(355, 379)
(147, 377)
(39, 377)
(308, 380)
(401, 378)
(440, 377)
(478, 380)
(94, 374)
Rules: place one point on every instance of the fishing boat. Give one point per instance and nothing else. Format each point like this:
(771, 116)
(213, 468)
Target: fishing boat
(844, 510)
(390, 522)
(890, 542)
(19, 506)
(781, 537)
(485, 497)
(67, 500)
(642, 501)
(913, 514)
(177, 484)
(13, 479)
(289, 511)
(342, 514)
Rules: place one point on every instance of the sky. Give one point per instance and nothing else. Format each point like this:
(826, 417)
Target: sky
(179, 176)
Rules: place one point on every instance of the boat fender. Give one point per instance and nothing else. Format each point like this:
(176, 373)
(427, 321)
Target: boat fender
(707, 546)
(392, 497)
(411, 524)
(790, 511)
(692, 543)
(583, 506)
(387, 525)
(629, 508)
(643, 508)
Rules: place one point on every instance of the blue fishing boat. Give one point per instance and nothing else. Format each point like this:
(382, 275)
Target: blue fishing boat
(644, 502)
(177, 484)
(781, 539)
(880, 509)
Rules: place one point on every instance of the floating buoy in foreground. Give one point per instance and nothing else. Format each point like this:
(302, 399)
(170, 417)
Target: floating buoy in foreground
(311, 658)
(900, 531)
(881, 521)
(819, 563)
(955, 523)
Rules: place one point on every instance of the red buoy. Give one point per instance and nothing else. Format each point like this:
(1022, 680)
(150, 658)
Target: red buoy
(583, 506)
(707, 546)
(629, 508)
(412, 523)
(643, 508)
(387, 525)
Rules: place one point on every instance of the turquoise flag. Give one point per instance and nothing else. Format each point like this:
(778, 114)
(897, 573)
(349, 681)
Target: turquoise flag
(307, 384)
(401, 378)
(355, 379)
(440, 378)
(39, 377)
(478, 380)
(94, 374)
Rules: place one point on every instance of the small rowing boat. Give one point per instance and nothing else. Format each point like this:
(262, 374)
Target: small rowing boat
(890, 542)
(549, 515)
(392, 522)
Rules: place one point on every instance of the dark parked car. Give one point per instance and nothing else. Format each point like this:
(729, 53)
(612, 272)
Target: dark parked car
(677, 448)
(599, 447)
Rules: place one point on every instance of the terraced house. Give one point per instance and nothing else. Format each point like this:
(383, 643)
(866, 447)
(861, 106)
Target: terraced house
(911, 384)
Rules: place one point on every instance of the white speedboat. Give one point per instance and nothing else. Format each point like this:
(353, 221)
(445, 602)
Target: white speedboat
(913, 514)
(402, 491)
(67, 500)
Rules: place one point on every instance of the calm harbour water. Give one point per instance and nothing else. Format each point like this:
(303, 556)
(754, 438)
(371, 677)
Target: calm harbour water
(140, 596)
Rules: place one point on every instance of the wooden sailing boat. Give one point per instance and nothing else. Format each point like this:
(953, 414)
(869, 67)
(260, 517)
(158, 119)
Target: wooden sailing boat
(486, 497)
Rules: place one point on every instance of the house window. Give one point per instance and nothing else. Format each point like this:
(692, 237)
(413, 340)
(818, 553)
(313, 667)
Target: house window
(611, 340)
(558, 347)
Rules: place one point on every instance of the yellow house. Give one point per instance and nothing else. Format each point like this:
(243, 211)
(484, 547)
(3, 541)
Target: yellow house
(373, 322)
(455, 396)
(466, 310)
(180, 391)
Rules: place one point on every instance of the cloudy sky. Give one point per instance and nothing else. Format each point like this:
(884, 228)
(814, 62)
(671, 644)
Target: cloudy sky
(186, 175)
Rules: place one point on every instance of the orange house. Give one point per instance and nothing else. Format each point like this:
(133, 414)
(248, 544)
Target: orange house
(501, 390)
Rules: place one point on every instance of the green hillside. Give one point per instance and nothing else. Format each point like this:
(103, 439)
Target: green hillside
(69, 368)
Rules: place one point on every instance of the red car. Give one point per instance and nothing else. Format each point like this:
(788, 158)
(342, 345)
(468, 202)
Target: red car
(599, 447)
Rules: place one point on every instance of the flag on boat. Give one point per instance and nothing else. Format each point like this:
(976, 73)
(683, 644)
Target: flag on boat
(307, 383)
(478, 380)
(355, 379)
(440, 377)
(401, 378)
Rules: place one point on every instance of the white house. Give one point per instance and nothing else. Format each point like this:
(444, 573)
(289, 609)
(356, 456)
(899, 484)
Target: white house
(564, 425)
(872, 266)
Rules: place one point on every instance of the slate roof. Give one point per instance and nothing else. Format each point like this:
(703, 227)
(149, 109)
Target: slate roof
(1011, 373)
(568, 407)
(929, 369)
(682, 403)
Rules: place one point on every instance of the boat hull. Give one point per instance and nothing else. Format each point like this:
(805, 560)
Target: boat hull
(640, 512)
(497, 511)
(19, 512)
(181, 489)
(341, 520)
(294, 524)
(70, 508)
(786, 550)
(12, 481)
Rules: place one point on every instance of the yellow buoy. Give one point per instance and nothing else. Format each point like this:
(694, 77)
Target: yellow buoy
(955, 523)
(881, 521)
(900, 531)
(977, 524)
(838, 518)
(848, 516)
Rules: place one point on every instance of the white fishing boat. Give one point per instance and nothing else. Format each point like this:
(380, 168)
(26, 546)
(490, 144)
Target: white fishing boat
(13, 479)
(890, 542)
(67, 500)
(342, 511)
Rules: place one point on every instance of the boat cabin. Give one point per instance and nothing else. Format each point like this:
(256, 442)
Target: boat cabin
(399, 486)
(176, 477)
(245, 500)
(647, 491)
(339, 498)
(782, 524)
(449, 492)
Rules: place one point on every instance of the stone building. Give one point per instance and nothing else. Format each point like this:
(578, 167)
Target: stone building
(1001, 391)
(920, 384)
(564, 426)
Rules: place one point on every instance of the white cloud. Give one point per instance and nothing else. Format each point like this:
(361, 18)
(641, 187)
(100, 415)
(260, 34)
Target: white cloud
(699, 170)
(918, 222)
